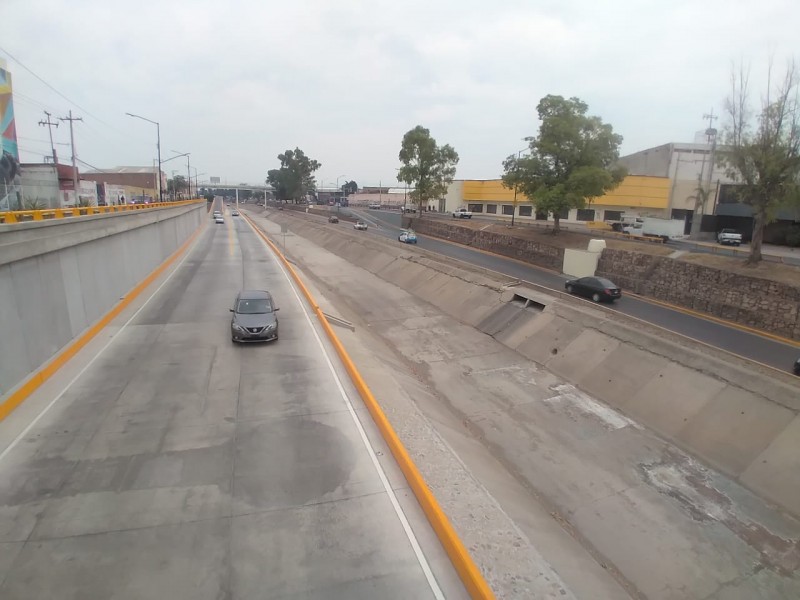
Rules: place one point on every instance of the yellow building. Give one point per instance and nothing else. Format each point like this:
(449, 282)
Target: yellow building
(636, 195)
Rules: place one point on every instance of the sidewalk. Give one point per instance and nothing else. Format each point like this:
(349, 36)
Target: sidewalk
(769, 252)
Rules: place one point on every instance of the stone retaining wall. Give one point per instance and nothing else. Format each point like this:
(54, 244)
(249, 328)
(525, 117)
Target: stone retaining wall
(766, 305)
(536, 253)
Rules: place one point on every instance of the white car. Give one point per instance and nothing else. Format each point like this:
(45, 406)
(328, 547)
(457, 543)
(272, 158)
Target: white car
(218, 219)
(235, 213)
(462, 213)
(407, 237)
(360, 225)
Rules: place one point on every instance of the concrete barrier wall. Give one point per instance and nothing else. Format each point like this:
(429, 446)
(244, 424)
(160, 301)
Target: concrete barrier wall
(580, 263)
(742, 420)
(59, 277)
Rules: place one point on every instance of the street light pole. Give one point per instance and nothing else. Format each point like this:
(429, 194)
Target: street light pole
(158, 148)
(516, 182)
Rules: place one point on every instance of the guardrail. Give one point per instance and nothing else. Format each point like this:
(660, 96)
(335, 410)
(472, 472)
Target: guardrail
(24, 216)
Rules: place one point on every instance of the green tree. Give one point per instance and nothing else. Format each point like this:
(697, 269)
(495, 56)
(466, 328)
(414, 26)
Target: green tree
(177, 184)
(572, 159)
(350, 187)
(762, 150)
(295, 177)
(428, 167)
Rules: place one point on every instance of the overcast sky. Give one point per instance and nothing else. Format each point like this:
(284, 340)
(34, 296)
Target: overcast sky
(235, 82)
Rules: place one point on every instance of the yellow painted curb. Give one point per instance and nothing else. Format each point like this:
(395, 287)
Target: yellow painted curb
(467, 570)
(43, 374)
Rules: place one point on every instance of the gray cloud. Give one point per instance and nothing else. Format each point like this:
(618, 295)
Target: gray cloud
(235, 83)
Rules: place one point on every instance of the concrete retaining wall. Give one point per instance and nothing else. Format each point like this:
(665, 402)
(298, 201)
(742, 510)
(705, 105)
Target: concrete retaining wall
(742, 420)
(59, 277)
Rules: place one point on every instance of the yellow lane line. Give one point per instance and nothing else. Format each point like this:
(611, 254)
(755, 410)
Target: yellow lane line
(465, 567)
(46, 372)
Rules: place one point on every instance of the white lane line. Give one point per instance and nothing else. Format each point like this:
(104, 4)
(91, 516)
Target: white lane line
(423, 562)
(47, 408)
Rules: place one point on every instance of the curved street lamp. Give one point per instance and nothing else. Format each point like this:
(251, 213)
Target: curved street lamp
(158, 147)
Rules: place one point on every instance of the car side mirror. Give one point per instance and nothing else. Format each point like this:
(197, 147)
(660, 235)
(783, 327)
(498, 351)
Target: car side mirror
(230, 309)
(275, 309)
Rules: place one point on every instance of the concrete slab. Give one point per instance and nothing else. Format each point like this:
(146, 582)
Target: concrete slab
(8, 554)
(621, 375)
(663, 572)
(672, 398)
(776, 471)
(323, 551)
(300, 460)
(183, 562)
(582, 355)
(552, 338)
(733, 428)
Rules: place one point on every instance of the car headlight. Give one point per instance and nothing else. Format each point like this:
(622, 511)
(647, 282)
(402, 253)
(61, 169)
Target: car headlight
(269, 327)
(237, 327)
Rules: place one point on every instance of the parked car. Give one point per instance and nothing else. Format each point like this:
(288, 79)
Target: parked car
(729, 236)
(254, 318)
(407, 237)
(374, 205)
(218, 219)
(462, 213)
(598, 289)
(797, 367)
(333, 219)
(360, 225)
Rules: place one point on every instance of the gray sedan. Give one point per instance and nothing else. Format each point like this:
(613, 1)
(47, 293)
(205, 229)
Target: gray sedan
(254, 318)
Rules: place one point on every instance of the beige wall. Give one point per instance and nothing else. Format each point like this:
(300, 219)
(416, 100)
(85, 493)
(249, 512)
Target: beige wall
(580, 263)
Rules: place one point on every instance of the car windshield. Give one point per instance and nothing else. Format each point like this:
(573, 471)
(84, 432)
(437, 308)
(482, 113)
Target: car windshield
(254, 306)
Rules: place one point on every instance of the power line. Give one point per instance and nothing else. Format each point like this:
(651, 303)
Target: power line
(88, 112)
(16, 60)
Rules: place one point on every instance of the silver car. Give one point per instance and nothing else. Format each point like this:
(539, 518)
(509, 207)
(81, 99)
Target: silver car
(254, 318)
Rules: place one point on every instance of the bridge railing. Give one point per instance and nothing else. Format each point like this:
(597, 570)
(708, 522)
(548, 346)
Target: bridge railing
(23, 216)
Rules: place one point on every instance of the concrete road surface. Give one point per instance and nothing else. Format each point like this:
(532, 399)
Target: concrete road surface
(750, 345)
(181, 466)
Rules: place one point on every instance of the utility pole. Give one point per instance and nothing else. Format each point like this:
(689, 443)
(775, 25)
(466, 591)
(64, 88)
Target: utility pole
(704, 187)
(50, 124)
(70, 118)
(188, 176)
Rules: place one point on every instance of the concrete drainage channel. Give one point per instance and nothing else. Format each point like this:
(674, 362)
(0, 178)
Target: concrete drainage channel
(561, 354)
(607, 357)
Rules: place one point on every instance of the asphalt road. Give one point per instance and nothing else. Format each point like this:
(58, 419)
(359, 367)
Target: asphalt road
(182, 466)
(749, 345)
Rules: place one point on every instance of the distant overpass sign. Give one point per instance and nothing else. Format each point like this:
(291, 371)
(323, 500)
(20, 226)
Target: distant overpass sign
(214, 180)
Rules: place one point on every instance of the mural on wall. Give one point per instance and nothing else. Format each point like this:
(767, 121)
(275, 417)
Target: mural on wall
(9, 158)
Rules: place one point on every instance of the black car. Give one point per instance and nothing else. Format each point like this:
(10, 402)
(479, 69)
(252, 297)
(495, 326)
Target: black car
(797, 367)
(254, 318)
(598, 289)
(333, 219)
